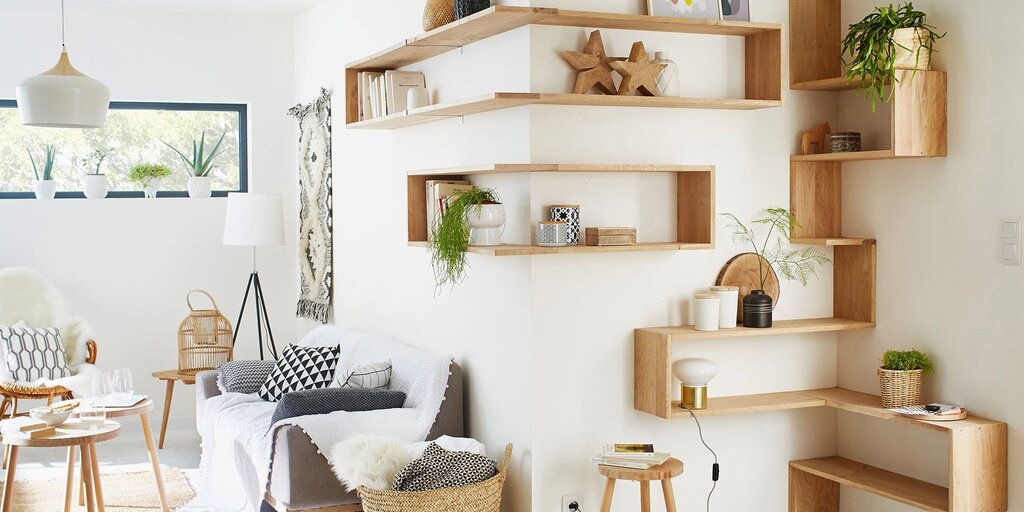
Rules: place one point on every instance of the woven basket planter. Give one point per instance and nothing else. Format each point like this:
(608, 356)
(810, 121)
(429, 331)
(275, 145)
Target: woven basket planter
(900, 388)
(482, 497)
(438, 13)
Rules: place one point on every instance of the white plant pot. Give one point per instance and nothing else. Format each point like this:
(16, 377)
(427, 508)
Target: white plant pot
(45, 189)
(199, 187)
(95, 186)
(485, 224)
(152, 187)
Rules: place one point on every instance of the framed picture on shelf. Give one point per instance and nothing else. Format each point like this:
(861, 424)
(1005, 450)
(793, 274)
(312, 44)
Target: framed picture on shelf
(735, 10)
(694, 9)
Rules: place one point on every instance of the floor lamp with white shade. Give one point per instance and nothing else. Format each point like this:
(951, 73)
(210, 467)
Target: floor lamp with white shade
(255, 220)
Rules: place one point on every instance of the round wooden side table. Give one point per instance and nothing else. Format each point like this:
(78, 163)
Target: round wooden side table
(142, 410)
(664, 473)
(71, 434)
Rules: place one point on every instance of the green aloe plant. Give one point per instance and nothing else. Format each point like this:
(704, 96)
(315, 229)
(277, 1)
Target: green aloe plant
(201, 163)
(47, 175)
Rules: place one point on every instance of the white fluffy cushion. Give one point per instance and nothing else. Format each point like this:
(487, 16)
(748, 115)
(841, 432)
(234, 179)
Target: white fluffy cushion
(368, 460)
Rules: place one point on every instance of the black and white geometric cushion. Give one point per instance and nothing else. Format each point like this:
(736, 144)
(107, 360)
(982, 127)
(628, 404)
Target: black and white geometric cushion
(367, 376)
(244, 376)
(438, 468)
(31, 354)
(328, 400)
(300, 368)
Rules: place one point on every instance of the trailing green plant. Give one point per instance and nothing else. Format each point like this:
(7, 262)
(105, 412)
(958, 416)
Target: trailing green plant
(791, 264)
(144, 173)
(47, 174)
(872, 48)
(906, 360)
(451, 237)
(94, 161)
(200, 163)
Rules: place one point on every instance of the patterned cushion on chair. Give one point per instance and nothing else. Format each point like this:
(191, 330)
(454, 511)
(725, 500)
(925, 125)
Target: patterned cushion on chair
(366, 376)
(31, 354)
(328, 400)
(244, 376)
(300, 368)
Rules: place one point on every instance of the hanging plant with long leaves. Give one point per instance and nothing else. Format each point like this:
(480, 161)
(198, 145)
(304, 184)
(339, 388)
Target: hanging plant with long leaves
(451, 238)
(872, 48)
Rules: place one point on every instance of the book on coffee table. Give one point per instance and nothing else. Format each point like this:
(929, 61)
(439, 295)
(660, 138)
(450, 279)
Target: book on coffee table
(115, 402)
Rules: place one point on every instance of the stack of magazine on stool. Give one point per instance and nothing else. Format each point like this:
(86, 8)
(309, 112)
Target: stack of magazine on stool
(633, 456)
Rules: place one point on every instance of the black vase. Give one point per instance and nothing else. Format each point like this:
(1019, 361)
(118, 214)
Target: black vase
(465, 8)
(757, 310)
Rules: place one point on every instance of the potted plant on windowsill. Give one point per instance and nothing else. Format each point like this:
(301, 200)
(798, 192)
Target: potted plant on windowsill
(901, 376)
(199, 165)
(44, 186)
(95, 186)
(792, 264)
(888, 39)
(150, 176)
(474, 217)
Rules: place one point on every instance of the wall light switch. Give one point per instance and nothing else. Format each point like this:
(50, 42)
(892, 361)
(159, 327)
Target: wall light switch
(1009, 241)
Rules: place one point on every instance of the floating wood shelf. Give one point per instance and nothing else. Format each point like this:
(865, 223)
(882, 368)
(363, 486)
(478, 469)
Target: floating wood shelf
(763, 63)
(779, 327)
(503, 100)
(814, 485)
(747, 404)
(857, 156)
(827, 84)
(832, 242)
(694, 208)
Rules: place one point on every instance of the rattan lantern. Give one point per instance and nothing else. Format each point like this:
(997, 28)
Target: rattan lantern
(204, 338)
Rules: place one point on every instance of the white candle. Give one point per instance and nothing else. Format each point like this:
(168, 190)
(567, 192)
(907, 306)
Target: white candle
(706, 311)
(730, 298)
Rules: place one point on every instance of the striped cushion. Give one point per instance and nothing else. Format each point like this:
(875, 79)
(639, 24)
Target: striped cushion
(367, 376)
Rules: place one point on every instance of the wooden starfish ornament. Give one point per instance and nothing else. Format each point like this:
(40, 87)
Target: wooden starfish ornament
(592, 66)
(638, 73)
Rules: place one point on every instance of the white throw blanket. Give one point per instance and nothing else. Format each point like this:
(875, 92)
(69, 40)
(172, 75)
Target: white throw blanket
(238, 437)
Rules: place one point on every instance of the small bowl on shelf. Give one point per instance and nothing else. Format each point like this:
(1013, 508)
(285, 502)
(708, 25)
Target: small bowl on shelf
(52, 419)
(845, 142)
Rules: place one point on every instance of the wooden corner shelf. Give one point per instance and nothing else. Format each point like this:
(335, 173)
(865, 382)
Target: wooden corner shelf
(814, 485)
(779, 327)
(748, 404)
(762, 68)
(855, 156)
(833, 242)
(694, 209)
(834, 84)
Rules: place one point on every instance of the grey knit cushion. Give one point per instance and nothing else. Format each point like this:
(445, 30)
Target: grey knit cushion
(244, 376)
(438, 468)
(327, 400)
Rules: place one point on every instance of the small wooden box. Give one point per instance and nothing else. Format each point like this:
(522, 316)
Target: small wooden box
(611, 236)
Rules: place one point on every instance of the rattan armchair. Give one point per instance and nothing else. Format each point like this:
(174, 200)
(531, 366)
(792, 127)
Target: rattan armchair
(13, 392)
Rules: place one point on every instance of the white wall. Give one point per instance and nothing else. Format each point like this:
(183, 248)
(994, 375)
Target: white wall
(126, 264)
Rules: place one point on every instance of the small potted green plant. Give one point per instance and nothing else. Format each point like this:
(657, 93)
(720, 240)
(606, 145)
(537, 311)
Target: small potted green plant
(792, 264)
(199, 165)
(44, 186)
(150, 176)
(888, 39)
(901, 376)
(474, 217)
(95, 186)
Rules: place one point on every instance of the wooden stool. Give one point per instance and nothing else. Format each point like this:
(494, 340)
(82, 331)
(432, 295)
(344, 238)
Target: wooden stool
(665, 473)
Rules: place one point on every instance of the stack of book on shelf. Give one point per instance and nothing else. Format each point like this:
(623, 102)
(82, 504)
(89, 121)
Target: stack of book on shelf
(439, 194)
(25, 427)
(633, 456)
(385, 93)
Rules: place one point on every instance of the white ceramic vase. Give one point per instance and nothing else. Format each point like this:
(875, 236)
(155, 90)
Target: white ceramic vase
(485, 224)
(199, 187)
(95, 186)
(729, 297)
(45, 189)
(152, 187)
(706, 311)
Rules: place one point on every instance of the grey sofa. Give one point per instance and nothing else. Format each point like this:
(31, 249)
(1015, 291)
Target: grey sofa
(301, 479)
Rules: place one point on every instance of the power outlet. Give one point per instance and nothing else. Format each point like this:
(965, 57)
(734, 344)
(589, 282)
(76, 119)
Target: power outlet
(569, 499)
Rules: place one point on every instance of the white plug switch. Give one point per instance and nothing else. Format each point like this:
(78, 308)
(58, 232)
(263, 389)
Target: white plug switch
(1009, 241)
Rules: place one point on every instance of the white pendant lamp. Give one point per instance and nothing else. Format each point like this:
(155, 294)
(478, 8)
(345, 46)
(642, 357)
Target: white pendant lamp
(63, 97)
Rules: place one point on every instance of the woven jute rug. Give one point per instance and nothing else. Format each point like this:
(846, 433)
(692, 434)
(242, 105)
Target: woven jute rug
(123, 492)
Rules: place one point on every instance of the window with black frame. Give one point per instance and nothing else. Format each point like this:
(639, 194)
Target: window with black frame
(135, 133)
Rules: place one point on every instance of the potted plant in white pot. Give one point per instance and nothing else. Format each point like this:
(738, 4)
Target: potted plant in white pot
(888, 39)
(474, 217)
(44, 186)
(95, 186)
(901, 376)
(150, 176)
(199, 165)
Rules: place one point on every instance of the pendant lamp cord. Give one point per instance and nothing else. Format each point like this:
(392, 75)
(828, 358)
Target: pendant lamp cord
(63, 44)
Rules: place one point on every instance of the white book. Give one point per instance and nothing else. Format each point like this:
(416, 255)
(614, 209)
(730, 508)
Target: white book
(119, 401)
(621, 463)
(443, 193)
(367, 93)
(398, 84)
(382, 97)
(432, 203)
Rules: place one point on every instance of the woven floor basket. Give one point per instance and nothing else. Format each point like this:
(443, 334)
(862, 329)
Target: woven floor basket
(482, 497)
(900, 388)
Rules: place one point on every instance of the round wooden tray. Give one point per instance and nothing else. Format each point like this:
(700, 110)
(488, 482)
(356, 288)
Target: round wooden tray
(933, 417)
(742, 271)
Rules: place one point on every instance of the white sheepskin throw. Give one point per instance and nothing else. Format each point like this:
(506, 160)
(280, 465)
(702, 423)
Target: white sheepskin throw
(27, 295)
(368, 460)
